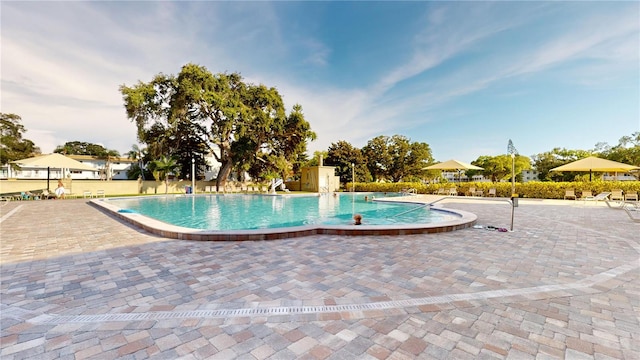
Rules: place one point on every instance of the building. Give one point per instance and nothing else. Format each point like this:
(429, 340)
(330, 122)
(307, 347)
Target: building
(319, 179)
(529, 175)
(116, 169)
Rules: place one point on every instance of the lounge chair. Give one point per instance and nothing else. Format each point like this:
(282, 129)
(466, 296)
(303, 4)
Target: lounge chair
(46, 195)
(569, 193)
(603, 196)
(453, 191)
(472, 191)
(632, 209)
(631, 196)
(492, 192)
(586, 195)
(616, 195)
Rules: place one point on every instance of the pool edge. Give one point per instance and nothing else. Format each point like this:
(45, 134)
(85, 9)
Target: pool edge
(165, 230)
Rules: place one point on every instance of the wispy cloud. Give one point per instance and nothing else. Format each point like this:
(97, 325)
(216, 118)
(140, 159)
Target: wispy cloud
(62, 65)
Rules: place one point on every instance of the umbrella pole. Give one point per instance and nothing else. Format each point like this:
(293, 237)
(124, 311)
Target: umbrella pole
(48, 178)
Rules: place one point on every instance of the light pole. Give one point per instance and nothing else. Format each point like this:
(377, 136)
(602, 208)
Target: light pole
(353, 177)
(193, 175)
(514, 200)
(513, 174)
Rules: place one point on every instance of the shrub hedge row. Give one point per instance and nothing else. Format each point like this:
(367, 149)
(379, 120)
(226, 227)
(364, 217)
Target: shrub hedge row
(533, 189)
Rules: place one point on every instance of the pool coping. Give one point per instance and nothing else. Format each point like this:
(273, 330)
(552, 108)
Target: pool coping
(157, 227)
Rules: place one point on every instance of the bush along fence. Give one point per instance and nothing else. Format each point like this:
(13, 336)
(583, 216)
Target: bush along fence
(533, 189)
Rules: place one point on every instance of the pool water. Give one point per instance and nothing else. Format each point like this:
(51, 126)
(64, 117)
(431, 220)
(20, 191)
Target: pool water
(245, 212)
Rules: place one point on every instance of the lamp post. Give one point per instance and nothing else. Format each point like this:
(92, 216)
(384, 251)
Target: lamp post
(513, 174)
(193, 175)
(353, 177)
(514, 201)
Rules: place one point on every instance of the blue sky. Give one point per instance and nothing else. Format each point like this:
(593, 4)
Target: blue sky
(464, 77)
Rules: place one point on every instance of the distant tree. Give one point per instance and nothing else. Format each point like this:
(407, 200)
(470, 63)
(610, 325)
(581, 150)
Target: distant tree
(544, 162)
(396, 158)
(136, 170)
(408, 158)
(342, 155)
(627, 151)
(81, 148)
(244, 126)
(86, 148)
(499, 167)
(12, 144)
(162, 168)
(315, 160)
(378, 158)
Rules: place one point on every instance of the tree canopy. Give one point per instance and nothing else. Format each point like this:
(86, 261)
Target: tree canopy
(244, 126)
(499, 167)
(12, 144)
(347, 159)
(396, 158)
(85, 148)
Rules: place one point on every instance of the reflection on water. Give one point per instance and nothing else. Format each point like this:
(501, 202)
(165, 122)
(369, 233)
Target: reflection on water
(237, 211)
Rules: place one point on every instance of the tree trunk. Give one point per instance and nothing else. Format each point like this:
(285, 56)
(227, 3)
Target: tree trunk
(223, 174)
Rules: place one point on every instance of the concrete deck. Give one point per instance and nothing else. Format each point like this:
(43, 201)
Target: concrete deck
(77, 283)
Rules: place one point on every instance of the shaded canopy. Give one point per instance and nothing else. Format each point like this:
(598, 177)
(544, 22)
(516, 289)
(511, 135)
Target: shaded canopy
(593, 163)
(452, 165)
(55, 161)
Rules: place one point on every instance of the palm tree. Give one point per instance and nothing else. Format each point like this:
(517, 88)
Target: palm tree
(162, 168)
(107, 155)
(137, 153)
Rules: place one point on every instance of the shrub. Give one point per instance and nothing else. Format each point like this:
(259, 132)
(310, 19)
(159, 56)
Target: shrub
(533, 189)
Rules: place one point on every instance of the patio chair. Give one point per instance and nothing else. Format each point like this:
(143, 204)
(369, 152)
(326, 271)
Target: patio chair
(586, 195)
(472, 191)
(46, 195)
(616, 195)
(492, 192)
(569, 193)
(631, 196)
(453, 191)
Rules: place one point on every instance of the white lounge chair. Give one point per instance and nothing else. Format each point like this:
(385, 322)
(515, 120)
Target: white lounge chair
(632, 209)
(603, 196)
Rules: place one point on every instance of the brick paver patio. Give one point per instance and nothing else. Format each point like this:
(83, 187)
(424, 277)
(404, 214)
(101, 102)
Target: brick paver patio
(77, 283)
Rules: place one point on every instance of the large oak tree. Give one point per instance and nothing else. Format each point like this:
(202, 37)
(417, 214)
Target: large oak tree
(244, 126)
(12, 144)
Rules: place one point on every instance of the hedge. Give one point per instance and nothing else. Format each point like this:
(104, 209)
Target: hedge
(533, 189)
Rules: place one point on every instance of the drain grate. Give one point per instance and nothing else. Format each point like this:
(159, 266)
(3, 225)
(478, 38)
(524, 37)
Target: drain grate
(298, 310)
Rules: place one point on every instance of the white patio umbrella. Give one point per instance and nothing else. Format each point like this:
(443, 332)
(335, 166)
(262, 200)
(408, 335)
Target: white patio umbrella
(453, 165)
(53, 161)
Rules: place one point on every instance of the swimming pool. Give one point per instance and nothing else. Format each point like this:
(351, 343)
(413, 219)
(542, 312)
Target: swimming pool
(266, 217)
(240, 212)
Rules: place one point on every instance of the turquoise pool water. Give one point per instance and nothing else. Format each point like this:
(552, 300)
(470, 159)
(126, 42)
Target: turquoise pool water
(245, 212)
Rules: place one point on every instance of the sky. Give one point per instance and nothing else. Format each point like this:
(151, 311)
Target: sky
(463, 77)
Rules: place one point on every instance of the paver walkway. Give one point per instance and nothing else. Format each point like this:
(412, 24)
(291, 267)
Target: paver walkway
(79, 284)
